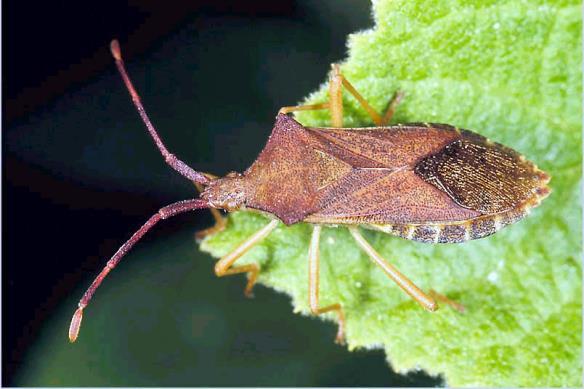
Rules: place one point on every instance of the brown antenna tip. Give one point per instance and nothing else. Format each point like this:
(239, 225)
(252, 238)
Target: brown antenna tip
(115, 49)
(75, 324)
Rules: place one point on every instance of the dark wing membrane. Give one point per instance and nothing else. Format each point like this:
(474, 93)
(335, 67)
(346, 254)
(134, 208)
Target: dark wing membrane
(482, 175)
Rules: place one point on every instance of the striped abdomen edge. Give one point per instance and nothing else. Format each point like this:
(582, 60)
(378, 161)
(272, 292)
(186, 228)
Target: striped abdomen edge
(458, 232)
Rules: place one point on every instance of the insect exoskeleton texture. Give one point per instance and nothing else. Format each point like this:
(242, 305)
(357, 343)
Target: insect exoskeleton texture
(432, 183)
(428, 182)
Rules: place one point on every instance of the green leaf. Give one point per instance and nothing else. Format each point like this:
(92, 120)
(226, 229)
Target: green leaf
(510, 71)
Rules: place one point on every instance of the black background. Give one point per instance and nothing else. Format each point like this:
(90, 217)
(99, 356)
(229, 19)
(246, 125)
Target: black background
(79, 173)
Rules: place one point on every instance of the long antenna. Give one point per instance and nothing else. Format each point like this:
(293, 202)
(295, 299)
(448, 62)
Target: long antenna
(164, 213)
(170, 159)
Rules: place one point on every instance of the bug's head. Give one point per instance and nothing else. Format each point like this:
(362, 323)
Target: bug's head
(226, 193)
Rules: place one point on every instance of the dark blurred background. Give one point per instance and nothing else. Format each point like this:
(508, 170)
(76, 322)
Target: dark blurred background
(80, 175)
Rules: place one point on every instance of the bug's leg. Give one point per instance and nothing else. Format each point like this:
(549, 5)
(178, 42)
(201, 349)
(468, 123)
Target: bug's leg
(402, 281)
(310, 107)
(336, 96)
(223, 266)
(163, 213)
(220, 220)
(376, 117)
(313, 286)
(395, 100)
(336, 83)
(440, 297)
(335, 103)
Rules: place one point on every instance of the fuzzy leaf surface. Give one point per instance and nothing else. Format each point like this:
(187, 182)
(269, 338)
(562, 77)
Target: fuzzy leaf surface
(509, 70)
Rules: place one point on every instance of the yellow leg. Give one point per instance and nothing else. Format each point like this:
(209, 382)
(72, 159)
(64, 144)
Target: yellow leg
(336, 96)
(336, 83)
(440, 297)
(310, 107)
(364, 103)
(220, 221)
(402, 281)
(223, 266)
(377, 118)
(395, 100)
(313, 286)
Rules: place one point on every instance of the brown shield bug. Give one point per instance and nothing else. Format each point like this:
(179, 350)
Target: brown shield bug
(431, 183)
